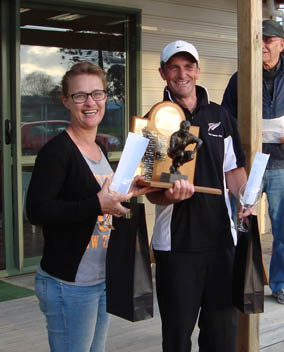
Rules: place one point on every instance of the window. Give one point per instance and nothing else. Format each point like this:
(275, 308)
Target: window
(51, 41)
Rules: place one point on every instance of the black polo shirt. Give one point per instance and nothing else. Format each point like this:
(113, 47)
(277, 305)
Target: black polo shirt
(203, 221)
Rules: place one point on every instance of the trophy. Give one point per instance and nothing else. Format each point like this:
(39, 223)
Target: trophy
(172, 149)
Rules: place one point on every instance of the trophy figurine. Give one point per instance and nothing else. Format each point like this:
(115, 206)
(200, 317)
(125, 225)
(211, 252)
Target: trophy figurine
(179, 140)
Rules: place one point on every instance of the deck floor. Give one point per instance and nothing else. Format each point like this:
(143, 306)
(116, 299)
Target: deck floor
(22, 326)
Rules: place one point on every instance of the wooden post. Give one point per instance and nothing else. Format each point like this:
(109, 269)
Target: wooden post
(249, 121)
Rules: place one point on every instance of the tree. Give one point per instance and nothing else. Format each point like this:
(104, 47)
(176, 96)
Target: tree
(116, 85)
(37, 83)
(115, 73)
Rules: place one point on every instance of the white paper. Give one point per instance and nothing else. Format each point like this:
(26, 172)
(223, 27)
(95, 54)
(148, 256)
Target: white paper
(273, 130)
(255, 178)
(133, 151)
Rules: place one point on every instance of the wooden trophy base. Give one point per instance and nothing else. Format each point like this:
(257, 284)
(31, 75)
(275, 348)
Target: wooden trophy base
(167, 177)
(160, 184)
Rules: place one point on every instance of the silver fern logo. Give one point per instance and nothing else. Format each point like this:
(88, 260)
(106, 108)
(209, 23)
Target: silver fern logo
(212, 127)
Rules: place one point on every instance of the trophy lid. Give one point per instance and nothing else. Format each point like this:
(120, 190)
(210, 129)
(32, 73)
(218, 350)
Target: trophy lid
(165, 117)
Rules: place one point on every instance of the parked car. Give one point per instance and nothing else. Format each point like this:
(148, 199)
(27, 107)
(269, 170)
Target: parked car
(110, 142)
(36, 134)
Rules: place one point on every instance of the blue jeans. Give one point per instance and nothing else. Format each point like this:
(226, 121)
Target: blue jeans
(76, 316)
(273, 186)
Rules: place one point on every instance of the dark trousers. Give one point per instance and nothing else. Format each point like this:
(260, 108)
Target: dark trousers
(192, 284)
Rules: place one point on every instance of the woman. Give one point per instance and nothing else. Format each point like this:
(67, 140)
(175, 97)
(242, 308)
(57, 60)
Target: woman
(69, 197)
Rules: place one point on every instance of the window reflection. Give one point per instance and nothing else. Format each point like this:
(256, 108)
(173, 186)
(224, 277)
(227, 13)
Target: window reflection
(36, 134)
(51, 42)
(40, 100)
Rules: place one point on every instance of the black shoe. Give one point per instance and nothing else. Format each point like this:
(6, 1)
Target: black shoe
(279, 296)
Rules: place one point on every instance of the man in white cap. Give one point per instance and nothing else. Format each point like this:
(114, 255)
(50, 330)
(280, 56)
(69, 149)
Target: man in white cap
(194, 237)
(273, 139)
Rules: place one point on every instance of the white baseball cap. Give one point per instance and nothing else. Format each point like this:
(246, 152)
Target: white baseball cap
(177, 47)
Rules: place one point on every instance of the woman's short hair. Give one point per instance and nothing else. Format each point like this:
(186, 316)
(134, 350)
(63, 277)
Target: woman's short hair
(84, 67)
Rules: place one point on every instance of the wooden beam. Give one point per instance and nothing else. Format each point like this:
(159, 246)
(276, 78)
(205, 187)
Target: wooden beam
(250, 76)
(249, 121)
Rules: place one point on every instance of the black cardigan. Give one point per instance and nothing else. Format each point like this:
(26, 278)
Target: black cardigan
(62, 198)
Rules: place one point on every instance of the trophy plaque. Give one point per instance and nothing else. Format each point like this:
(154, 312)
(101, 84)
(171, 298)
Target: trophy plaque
(171, 152)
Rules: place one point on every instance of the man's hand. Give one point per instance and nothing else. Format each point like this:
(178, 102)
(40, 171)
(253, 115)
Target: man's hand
(243, 215)
(180, 190)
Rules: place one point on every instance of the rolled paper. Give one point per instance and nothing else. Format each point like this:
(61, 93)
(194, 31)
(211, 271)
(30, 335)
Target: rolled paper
(255, 178)
(133, 151)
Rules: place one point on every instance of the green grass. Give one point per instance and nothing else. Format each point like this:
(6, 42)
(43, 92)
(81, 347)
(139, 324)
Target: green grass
(9, 291)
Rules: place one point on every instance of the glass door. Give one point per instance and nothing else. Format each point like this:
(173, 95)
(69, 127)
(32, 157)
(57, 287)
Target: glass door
(7, 259)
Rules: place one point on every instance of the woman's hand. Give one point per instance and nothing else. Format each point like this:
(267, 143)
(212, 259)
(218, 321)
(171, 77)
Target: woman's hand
(110, 202)
(138, 189)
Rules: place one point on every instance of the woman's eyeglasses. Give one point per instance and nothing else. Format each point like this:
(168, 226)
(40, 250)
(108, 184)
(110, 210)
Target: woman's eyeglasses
(82, 97)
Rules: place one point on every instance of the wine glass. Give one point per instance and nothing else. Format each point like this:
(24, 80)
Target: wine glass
(248, 201)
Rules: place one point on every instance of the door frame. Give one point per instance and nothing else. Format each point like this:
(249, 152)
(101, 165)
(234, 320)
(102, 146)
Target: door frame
(5, 99)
